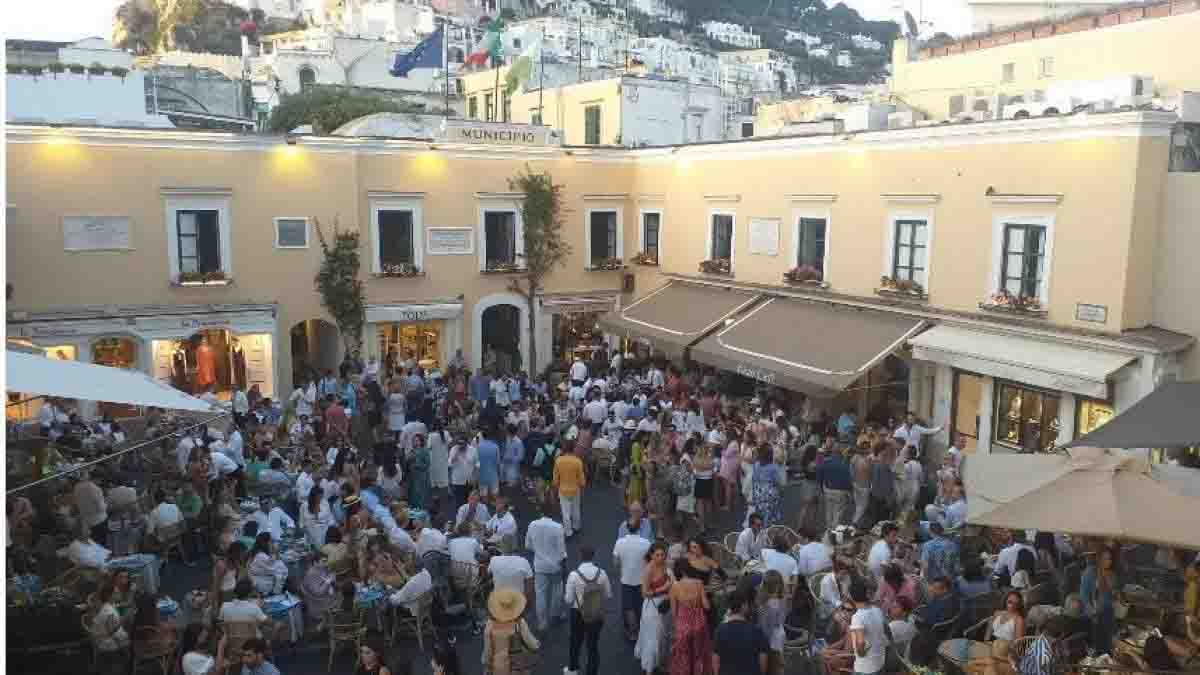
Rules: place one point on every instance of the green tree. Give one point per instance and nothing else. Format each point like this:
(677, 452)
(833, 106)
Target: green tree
(545, 246)
(337, 282)
(327, 108)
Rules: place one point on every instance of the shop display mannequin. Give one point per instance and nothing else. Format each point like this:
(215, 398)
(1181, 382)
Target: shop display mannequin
(206, 366)
(239, 364)
(179, 367)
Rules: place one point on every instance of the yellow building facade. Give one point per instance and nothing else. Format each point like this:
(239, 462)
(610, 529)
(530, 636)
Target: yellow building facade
(1078, 215)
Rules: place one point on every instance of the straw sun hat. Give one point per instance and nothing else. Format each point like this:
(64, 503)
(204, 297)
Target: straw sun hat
(505, 604)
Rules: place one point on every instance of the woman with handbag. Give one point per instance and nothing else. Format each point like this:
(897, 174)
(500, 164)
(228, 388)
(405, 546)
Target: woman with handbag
(651, 646)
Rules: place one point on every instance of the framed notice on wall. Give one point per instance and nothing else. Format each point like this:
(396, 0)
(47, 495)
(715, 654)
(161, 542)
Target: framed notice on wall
(96, 233)
(764, 236)
(451, 240)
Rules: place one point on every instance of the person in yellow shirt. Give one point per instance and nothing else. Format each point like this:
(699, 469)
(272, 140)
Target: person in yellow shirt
(569, 480)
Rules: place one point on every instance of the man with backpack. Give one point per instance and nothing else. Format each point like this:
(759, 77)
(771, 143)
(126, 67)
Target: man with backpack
(588, 593)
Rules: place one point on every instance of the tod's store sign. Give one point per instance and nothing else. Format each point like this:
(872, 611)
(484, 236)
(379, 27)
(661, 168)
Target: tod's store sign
(491, 133)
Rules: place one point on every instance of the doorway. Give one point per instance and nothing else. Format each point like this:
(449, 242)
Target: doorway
(968, 390)
(502, 338)
(314, 350)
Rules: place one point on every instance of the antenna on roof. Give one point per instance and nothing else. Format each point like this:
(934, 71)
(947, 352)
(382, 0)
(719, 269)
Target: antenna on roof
(911, 24)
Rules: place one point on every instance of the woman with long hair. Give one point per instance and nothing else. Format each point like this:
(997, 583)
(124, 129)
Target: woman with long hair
(691, 647)
(1099, 588)
(193, 654)
(748, 457)
(1026, 565)
(656, 584)
(772, 613)
(316, 518)
(702, 466)
(635, 485)
(810, 491)
(730, 469)
(418, 473)
(266, 571)
(227, 572)
(370, 658)
(1007, 624)
(769, 478)
(439, 458)
(894, 585)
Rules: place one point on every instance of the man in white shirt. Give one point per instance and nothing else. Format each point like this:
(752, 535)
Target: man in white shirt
(463, 547)
(472, 512)
(619, 408)
(304, 398)
(235, 447)
(881, 551)
(430, 539)
(630, 554)
(911, 433)
(304, 483)
(501, 525)
(649, 422)
(183, 452)
(585, 630)
(411, 429)
(219, 464)
(93, 508)
(500, 392)
(1006, 559)
(462, 460)
(777, 558)
(511, 571)
(867, 638)
(579, 372)
(243, 608)
(750, 541)
(549, 545)
(165, 514)
(271, 518)
(813, 556)
(85, 552)
(402, 540)
(416, 587)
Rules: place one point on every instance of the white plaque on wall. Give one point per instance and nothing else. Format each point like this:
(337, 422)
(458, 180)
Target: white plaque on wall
(96, 233)
(764, 236)
(451, 240)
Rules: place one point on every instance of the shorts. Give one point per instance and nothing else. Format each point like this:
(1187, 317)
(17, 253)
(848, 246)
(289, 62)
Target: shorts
(704, 488)
(489, 487)
(631, 598)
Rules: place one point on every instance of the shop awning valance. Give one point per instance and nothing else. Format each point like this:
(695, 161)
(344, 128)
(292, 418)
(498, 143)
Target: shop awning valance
(1168, 417)
(677, 315)
(815, 348)
(1051, 365)
(33, 375)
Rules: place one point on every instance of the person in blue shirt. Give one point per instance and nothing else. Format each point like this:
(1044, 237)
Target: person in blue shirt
(942, 604)
(488, 454)
(1098, 591)
(833, 475)
(636, 524)
(939, 556)
(846, 425)
(514, 454)
(514, 389)
(480, 386)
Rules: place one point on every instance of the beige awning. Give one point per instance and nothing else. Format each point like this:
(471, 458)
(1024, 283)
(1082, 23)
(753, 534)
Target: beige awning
(814, 347)
(1088, 492)
(1051, 365)
(675, 316)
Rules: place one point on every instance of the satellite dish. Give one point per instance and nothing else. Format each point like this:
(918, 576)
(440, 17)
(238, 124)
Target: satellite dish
(911, 24)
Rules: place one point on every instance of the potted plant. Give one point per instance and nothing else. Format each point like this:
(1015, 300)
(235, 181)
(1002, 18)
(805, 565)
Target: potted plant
(804, 274)
(77, 68)
(120, 72)
(14, 69)
(716, 266)
(195, 278)
(501, 266)
(893, 286)
(96, 69)
(35, 71)
(608, 264)
(1005, 301)
(401, 270)
(644, 258)
(56, 68)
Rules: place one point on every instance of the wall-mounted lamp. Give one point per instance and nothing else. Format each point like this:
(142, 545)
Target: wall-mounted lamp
(289, 139)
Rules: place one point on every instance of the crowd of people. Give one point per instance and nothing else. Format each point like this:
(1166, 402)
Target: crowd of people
(401, 482)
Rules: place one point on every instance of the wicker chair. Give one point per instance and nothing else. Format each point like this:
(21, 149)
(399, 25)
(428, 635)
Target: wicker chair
(465, 578)
(789, 535)
(726, 558)
(408, 622)
(149, 645)
(730, 540)
(345, 627)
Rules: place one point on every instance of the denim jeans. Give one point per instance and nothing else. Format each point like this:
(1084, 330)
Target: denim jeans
(548, 589)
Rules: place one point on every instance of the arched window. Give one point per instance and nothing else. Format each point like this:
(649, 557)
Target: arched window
(308, 76)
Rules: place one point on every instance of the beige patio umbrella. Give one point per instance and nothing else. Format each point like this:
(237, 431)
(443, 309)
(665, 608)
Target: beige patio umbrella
(1089, 492)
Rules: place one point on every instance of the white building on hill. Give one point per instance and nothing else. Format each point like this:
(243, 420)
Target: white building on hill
(732, 34)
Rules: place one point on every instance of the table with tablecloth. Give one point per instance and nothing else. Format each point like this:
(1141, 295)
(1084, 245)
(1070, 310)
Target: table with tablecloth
(143, 567)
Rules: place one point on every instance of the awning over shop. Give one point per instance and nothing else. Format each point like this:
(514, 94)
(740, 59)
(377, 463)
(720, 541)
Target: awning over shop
(40, 376)
(1040, 363)
(815, 348)
(676, 315)
(1166, 418)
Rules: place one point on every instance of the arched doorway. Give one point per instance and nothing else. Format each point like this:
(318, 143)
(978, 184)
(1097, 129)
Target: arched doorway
(307, 76)
(500, 333)
(315, 349)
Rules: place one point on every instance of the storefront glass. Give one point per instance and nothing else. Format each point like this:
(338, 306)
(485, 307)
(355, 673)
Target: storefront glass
(418, 340)
(576, 334)
(1026, 419)
(217, 357)
(115, 352)
(968, 389)
(1091, 414)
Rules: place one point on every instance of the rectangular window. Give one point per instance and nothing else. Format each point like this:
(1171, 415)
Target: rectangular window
(500, 238)
(591, 125)
(910, 251)
(199, 241)
(473, 107)
(957, 104)
(651, 223)
(291, 233)
(1008, 72)
(747, 129)
(1026, 419)
(602, 230)
(507, 108)
(1091, 414)
(489, 107)
(810, 244)
(1024, 263)
(722, 237)
(1046, 66)
(395, 238)
(535, 118)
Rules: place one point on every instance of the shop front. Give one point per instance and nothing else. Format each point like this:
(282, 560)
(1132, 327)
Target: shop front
(571, 327)
(429, 334)
(1011, 393)
(192, 348)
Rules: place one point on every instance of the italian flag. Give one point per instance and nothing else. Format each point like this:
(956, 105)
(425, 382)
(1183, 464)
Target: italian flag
(489, 47)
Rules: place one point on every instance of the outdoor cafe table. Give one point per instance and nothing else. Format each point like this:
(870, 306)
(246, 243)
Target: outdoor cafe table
(286, 608)
(373, 599)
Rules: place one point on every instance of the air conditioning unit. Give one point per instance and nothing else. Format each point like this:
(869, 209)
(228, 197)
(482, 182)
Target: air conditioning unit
(1188, 107)
(904, 119)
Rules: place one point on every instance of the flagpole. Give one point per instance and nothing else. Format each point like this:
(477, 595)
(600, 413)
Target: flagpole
(496, 101)
(446, 67)
(541, 75)
(581, 48)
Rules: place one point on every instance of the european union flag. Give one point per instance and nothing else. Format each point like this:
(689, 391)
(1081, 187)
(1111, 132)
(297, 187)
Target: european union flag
(427, 54)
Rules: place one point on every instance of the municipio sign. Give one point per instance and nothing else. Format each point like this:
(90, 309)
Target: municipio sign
(492, 133)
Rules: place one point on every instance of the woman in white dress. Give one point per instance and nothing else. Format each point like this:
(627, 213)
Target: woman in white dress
(652, 644)
(316, 518)
(439, 458)
(749, 455)
(911, 473)
(395, 410)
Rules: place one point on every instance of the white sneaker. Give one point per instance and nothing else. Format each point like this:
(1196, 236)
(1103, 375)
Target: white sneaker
(567, 671)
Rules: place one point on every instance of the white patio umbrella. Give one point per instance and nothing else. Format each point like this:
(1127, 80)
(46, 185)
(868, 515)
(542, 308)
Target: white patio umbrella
(1089, 492)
